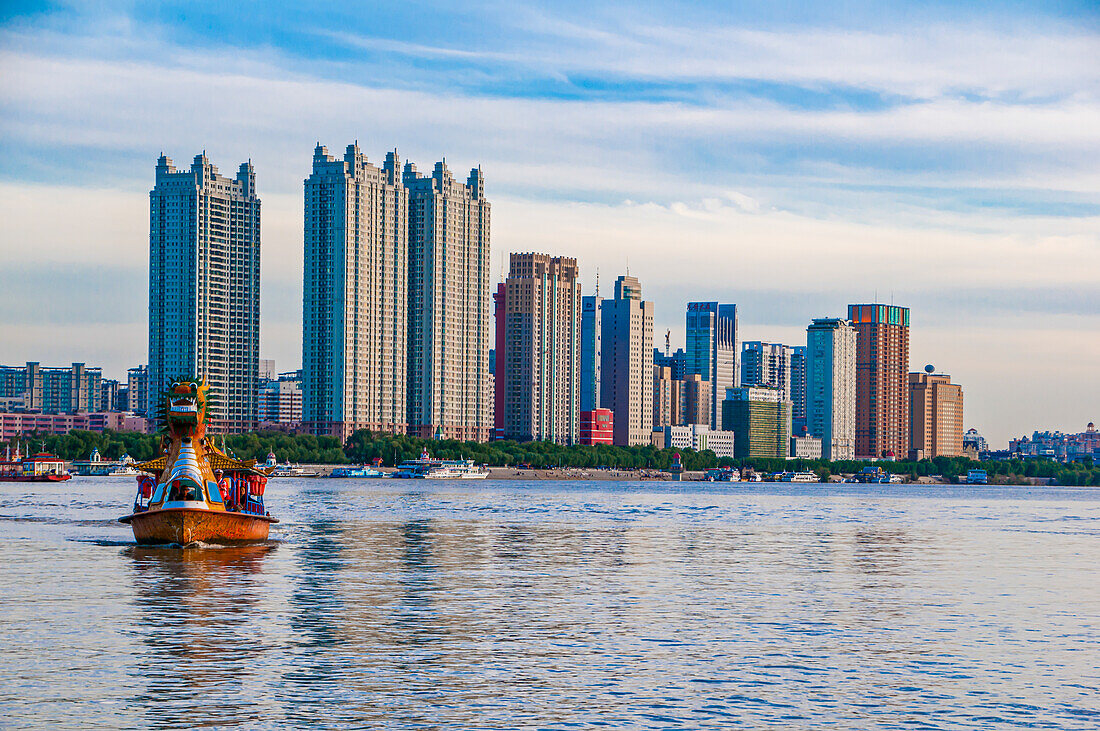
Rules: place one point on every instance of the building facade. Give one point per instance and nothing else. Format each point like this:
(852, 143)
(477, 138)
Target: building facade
(52, 390)
(831, 386)
(597, 427)
(935, 416)
(712, 350)
(627, 362)
(591, 351)
(766, 364)
(542, 349)
(354, 311)
(204, 286)
(137, 390)
(760, 419)
(500, 300)
(798, 389)
(882, 379)
(697, 437)
(676, 362)
(448, 311)
(280, 400)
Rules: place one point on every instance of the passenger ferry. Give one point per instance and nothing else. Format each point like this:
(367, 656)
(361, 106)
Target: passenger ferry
(41, 467)
(356, 471)
(427, 468)
(796, 477)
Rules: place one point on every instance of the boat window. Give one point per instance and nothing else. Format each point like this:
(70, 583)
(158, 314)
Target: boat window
(158, 494)
(212, 493)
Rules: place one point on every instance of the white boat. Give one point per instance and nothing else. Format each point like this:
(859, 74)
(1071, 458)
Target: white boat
(427, 468)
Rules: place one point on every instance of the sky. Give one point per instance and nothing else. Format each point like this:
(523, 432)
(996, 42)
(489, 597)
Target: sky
(791, 158)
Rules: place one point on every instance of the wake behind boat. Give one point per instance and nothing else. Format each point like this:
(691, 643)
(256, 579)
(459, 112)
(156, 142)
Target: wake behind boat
(195, 492)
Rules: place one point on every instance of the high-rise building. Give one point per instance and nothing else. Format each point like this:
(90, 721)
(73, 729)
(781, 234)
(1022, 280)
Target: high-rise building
(591, 351)
(712, 350)
(882, 379)
(766, 364)
(53, 390)
(831, 386)
(542, 349)
(499, 318)
(448, 321)
(354, 314)
(204, 286)
(798, 389)
(666, 398)
(676, 362)
(696, 397)
(935, 415)
(760, 419)
(280, 399)
(108, 395)
(137, 390)
(627, 362)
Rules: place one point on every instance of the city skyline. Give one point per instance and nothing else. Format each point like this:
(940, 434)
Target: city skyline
(956, 179)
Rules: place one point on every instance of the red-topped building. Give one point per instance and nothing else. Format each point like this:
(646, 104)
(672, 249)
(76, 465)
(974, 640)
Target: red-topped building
(882, 380)
(597, 427)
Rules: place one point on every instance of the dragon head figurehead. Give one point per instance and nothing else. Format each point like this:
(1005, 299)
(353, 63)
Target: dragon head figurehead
(185, 408)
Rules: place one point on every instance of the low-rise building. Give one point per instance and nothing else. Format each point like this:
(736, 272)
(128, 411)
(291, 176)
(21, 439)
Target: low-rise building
(597, 426)
(806, 447)
(14, 425)
(697, 437)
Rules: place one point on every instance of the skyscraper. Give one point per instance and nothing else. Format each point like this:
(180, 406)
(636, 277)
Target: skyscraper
(355, 295)
(449, 330)
(882, 388)
(831, 386)
(591, 351)
(500, 300)
(935, 415)
(626, 385)
(204, 286)
(712, 350)
(766, 364)
(541, 349)
(798, 389)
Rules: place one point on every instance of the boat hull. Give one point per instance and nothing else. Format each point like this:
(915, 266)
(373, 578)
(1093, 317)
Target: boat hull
(49, 477)
(198, 525)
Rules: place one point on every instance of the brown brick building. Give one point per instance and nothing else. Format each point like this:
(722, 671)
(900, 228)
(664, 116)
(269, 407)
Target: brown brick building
(882, 387)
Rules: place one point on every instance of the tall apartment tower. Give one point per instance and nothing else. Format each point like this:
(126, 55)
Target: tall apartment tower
(204, 286)
(766, 364)
(448, 316)
(500, 300)
(712, 350)
(354, 311)
(831, 386)
(626, 376)
(882, 379)
(542, 349)
(137, 390)
(798, 389)
(935, 415)
(591, 351)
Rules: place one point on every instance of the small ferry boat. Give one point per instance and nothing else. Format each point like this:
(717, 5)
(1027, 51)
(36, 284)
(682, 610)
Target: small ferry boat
(195, 492)
(722, 474)
(41, 467)
(427, 468)
(357, 471)
(797, 477)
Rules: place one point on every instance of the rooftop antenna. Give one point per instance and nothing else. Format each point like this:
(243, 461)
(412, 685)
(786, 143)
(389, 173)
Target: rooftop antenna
(597, 281)
(668, 343)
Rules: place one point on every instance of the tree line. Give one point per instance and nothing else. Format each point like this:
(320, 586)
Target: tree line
(392, 449)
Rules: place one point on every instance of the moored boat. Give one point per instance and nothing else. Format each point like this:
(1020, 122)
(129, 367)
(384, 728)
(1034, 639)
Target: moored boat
(195, 492)
(41, 467)
(427, 468)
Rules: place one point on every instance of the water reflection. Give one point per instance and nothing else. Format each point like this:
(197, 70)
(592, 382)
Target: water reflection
(199, 642)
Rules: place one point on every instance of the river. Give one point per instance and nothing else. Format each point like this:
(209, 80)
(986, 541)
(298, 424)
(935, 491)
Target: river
(409, 604)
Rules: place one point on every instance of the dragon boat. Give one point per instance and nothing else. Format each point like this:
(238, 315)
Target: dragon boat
(195, 492)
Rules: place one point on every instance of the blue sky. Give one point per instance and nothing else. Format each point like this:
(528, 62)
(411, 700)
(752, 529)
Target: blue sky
(790, 157)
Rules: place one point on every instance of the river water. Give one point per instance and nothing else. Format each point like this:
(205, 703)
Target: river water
(400, 604)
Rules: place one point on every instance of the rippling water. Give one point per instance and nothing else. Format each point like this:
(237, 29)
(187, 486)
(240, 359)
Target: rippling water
(389, 604)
